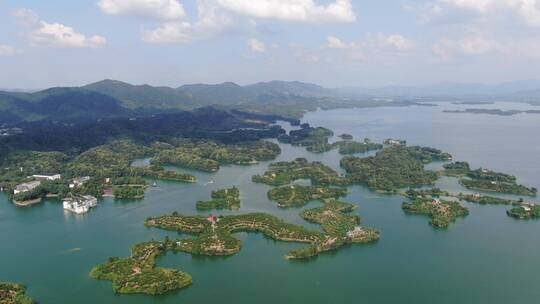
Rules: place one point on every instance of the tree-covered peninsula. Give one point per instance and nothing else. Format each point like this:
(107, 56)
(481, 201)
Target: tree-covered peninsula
(109, 167)
(14, 294)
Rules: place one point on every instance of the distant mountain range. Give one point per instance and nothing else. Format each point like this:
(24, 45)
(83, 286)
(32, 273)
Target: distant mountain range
(112, 98)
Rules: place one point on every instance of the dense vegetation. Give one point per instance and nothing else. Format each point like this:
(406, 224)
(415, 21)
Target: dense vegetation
(110, 166)
(208, 156)
(222, 199)
(394, 167)
(298, 196)
(441, 213)
(13, 294)
(487, 180)
(74, 137)
(283, 173)
(338, 224)
(214, 235)
(354, 147)
(138, 274)
(314, 139)
(525, 212)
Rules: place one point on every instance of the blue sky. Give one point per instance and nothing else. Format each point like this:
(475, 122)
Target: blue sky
(329, 42)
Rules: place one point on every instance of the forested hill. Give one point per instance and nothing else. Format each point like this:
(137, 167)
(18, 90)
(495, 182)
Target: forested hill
(203, 123)
(112, 98)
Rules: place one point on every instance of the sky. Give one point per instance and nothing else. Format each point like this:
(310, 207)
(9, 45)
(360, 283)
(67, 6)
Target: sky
(334, 43)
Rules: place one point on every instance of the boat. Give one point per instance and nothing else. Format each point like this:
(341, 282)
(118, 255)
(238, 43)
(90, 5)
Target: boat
(154, 184)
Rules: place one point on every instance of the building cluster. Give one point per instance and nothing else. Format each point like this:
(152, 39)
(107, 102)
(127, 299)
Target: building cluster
(79, 204)
(395, 142)
(26, 187)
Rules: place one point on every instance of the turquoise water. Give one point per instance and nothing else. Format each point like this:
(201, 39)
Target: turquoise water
(486, 257)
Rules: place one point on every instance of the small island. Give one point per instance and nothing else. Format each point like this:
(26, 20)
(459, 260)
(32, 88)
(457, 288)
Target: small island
(14, 294)
(498, 112)
(441, 213)
(138, 273)
(394, 167)
(222, 199)
(298, 196)
(313, 139)
(525, 212)
(487, 180)
(283, 173)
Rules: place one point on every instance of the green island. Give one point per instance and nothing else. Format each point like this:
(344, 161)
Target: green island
(215, 233)
(525, 212)
(486, 200)
(353, 147)
(13, 294)
(440, 212)
(394, 167)
(208, 156)
(298, 196)
(222, 199)
(335, 221)
(283, 173)
(316, 140)
(346, 136)
(487, 180)
(313, 139)
(214, 237)
(138, 273)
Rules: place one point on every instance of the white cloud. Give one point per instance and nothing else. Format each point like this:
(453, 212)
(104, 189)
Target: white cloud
(61, 36)
(55, 34)
(211, 22)
(474, 44)
(333, 42)
(293, 10)
(526, 11)
(158, 9)
(396, 41)
(257, 46)
(26, 17)
(6, 50)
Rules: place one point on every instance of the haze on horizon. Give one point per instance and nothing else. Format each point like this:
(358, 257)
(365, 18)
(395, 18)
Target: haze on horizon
(333, 43)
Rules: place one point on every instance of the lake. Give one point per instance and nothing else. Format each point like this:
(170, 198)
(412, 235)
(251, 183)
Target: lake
(486, 257)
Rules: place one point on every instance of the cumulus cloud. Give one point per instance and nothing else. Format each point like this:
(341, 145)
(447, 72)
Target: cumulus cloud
(157, 9)
(61, 36)
(6, 50)
(257, 46)
(55, 34)
(293, 10)
(211, 21)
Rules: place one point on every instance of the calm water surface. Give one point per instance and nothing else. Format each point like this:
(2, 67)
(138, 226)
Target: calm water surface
(486, 257)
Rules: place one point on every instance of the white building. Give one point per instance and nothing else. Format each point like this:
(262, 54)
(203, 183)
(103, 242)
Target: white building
(47, 177)
(77, 182)
(26, 187)
(80, 204)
